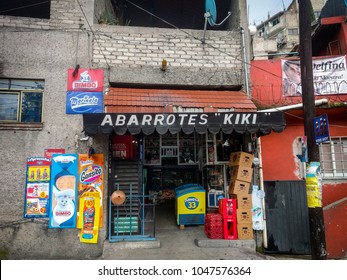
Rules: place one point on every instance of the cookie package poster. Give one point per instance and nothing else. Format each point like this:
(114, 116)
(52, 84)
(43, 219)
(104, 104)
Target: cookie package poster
(36, 198)
(63, 191)
(91, 183)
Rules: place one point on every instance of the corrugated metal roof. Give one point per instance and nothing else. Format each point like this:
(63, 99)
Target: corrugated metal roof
(163, 100)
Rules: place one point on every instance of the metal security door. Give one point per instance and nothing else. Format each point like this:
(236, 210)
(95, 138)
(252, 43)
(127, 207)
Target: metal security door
(287, 218)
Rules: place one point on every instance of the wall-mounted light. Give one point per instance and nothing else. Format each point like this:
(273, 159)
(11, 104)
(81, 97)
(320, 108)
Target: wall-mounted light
(163, 65)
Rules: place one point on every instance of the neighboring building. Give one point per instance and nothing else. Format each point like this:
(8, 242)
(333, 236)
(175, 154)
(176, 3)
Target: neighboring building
(149, 67)
(282, 154)
(279, 33)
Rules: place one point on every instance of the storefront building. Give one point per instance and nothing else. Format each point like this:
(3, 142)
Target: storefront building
(177, 146)
(70, 35)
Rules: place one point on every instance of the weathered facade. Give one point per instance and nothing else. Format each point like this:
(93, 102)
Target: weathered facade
(44, 49)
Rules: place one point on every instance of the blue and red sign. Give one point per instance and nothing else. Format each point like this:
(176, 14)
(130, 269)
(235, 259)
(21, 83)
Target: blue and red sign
(85, 80)
(321, 129)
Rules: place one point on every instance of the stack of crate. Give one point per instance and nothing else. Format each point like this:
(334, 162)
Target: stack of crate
(227, 208)
(214, 226)
(239, 187)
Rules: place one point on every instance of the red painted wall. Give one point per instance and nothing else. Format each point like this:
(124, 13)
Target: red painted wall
(278, 151)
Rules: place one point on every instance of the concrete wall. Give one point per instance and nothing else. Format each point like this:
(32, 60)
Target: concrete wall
(45, 49)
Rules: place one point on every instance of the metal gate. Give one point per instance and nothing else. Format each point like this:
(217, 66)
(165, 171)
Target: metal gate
(133, 220)
(287, 219)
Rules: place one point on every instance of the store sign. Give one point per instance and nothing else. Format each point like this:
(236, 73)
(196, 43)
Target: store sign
(85, 80)
(84, 102)
(187, 122)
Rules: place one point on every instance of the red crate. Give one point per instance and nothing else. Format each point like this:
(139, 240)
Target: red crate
(214, 226)
(227, 208)
(229, 229)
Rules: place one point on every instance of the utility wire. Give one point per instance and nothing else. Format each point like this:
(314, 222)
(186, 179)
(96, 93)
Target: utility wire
(90, 27)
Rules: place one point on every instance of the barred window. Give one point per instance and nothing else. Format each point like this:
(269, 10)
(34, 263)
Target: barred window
(21, 101)
(333, 157)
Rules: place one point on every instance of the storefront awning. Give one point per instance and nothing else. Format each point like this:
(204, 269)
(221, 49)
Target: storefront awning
(120, 124)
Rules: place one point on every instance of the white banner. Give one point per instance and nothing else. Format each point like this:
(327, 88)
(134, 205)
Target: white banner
(329, 76)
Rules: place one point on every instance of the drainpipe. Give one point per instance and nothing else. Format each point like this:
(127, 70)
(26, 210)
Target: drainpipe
(295, 106)
(245, 61)
(261, 187)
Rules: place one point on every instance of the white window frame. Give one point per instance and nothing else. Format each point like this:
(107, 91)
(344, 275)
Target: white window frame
(334, 161)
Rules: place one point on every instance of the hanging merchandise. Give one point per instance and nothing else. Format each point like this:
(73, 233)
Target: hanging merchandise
(63, 191)
(37, 187)
(257, 209)
(91, 174)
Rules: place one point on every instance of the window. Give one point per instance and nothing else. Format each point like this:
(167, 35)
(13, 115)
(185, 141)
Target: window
(333, 157)
(26, 8)
(275, 22)
(21, 101)
(184, 14)
(293, 31)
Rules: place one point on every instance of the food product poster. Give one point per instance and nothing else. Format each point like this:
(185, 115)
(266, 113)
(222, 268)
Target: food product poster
(91, 175)
(36, 197)
(63, 191)
(89, 211)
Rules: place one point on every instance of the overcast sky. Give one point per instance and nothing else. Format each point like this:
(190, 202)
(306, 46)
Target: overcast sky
(259, 9)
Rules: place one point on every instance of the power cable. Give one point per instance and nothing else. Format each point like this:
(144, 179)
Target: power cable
(90, 27)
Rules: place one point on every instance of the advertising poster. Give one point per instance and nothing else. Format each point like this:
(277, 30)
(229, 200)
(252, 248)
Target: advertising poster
(321, 129)
(314, 185)
(329, 76)
(89, 211)
(91, 180)
(36, 200)
(257, 208)
(63, 191)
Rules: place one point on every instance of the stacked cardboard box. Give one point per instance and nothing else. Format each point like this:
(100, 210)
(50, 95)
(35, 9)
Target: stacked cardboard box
(239, 187)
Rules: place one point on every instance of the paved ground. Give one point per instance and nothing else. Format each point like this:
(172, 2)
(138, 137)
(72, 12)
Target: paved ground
(189, 243)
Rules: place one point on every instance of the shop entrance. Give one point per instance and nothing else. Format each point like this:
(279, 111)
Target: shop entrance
(153, 166)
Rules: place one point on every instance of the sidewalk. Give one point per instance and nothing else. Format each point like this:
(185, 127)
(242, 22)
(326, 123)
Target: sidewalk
(189, 243)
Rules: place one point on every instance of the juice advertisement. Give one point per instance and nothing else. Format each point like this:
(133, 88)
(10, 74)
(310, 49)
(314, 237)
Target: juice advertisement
(91, 175)
(37, 187)
(89, 213)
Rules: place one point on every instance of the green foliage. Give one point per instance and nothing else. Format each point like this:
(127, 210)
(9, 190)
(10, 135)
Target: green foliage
(108, 18)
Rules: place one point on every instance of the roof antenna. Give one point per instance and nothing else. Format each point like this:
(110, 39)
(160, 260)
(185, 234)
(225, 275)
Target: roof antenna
(211, 16)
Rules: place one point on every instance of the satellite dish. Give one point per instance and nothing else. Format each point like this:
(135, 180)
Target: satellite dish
(211, 15)
(210, 7)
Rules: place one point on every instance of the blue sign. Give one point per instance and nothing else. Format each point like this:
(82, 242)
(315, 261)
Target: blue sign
(321, 129)
(79, 102)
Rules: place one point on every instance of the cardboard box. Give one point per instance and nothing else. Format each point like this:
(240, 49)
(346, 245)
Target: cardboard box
(244, 201)
(240, 173)
(239, 187)
(245, 231)
(244, 215)
(241, 159)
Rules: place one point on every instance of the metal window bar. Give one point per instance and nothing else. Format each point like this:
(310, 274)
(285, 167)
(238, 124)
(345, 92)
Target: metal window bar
(128, 222)
(333, 156)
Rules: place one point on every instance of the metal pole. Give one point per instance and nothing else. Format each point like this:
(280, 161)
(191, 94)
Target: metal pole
(316, 220)
(245, 61)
